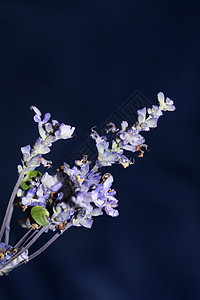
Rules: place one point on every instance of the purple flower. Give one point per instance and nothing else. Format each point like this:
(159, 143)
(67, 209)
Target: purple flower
(110, 210)
(105, 198)
(92, 179)
(42, 191)
(154, 112)
(130, 139)
(83, 218)
(37, 117)
(28, 199)
(86, 222)
(40, 147)
(168, 105)
(64, 132)
(50, 183)
(106, 157)
(34, 162)
(83, 200)
(80, 175)
(26, 152)
(61, 213)
(146, 124)
(51, 132)
(74, 174)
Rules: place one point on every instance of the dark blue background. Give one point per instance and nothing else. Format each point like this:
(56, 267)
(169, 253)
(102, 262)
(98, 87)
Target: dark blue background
(80, 60)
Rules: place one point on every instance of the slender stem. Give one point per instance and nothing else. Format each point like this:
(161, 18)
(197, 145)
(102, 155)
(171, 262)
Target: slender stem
(39, 251)
(7, 231)
(9, 211)
(29, 238)
(24, 238)
(45, 246)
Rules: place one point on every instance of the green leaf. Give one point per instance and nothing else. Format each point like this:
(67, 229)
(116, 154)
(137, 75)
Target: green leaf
(33, 174)
(40, 214)
(25, 184)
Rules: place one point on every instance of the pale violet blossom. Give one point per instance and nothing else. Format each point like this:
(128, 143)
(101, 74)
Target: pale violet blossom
(165, 104)
(61, 213)
(130, 139)
(64, 132)
(105, 198)
(51, 132)
(146, 123)
(28, 199)
(106, 156)
(51, 183)
(84, 217)
(154, 112)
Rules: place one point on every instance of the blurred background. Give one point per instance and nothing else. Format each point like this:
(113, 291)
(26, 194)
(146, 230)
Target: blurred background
(81, 60)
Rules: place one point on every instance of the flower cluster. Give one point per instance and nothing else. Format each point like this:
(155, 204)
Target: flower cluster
(74, 195)
(79, 193)
(49, 132)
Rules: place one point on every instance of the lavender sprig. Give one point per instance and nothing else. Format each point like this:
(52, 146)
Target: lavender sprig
(74, 195)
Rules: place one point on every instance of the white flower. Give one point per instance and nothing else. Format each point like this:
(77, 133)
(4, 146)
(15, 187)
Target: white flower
(150, 122)
(155, 111)
(168, 105)
(26, 152)
(64, 132)
(50, 182)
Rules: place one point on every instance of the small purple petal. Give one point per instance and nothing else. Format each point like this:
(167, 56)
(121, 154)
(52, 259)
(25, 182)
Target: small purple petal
(108, 182)
(31, 192)
(161, 98)
(141, 115)
(37, 118)
(47, 116)
(170, 107)
(26, 149)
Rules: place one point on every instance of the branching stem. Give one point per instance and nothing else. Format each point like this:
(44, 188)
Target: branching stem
(9, 211)
(39, 233)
